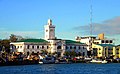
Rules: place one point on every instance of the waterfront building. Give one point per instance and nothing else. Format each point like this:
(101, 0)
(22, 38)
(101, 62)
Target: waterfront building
(117, 51)
(28, 46)
(87, 40)
(50, 43)
(102, 40)
(103, 50)
(91, 40)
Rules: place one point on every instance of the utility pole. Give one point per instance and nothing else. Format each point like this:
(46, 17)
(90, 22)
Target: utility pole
(91, 16)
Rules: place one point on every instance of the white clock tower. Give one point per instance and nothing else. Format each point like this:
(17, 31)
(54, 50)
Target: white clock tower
(49, 30)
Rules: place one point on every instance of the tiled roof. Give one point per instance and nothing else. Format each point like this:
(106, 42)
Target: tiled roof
(104, 45)
(72, 42)
(33, 40)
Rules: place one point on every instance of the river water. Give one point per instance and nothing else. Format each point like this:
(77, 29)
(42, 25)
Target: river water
(78, 68)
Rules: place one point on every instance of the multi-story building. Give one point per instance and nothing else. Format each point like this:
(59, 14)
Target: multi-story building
(90, 40)
(103, 50)
(50, 43)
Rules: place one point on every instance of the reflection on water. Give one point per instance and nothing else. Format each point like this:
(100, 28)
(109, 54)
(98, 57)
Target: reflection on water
(62, 69)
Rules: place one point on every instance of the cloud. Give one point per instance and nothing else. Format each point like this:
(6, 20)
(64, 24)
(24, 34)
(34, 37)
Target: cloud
(25, 34)
(109, 27)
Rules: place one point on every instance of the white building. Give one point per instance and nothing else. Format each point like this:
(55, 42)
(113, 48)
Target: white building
(89, 40)
(50, 43)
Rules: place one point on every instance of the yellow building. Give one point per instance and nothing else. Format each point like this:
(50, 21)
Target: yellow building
(103, 50)
(116, 52)
(101, 36)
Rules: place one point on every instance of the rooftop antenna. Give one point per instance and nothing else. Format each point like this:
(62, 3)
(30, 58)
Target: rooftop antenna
(91, 15)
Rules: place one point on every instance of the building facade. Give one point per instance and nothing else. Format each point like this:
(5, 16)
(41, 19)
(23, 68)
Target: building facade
(50, 44)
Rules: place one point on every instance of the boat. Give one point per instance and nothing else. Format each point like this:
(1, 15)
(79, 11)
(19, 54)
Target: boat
(62, 61)
(98, 61)
(48, 60)
(40, 62)
(40, 59)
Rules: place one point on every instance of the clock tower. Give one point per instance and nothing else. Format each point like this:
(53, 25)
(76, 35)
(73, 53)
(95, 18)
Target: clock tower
(49, 30)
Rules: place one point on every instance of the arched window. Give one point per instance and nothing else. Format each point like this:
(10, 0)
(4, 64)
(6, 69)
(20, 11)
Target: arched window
(66, 47)
(74, 47)
(42, 47)
(28, 46)
(79, 47)
(33, 47)
(59, 47)
(47, 47)
(32, 52)
(70, 47)
(37, 47)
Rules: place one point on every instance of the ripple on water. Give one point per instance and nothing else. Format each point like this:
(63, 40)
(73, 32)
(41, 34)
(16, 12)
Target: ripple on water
(80, 68)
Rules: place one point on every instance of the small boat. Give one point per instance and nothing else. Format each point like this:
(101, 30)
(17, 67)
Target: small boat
(40, 62)
(48, 60)
(61, 61)
(98, 61)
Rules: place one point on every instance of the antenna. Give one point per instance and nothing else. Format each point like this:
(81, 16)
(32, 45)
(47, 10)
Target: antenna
(91, 15)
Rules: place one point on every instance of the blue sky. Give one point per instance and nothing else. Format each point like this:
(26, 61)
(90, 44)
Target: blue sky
(71, 17)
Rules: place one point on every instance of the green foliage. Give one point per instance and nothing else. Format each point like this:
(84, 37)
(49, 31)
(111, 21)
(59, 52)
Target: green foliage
(13, 38)
(5, 44)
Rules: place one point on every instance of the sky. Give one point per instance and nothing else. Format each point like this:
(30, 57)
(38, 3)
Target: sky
(71, 18)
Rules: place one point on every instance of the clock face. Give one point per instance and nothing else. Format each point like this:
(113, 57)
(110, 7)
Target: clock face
(46, 30)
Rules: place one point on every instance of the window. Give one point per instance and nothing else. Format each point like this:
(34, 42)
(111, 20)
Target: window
(106, 41)
(66, 47)
(47, 47)
(75, 47)
(83, 47)
(37, 47)
(102, 41)
(70, 47)
(117, 49)
(15, 47)
(20, 46)
(28, 46)
(79, 47)
(59, 47)
(110, 41)
(32, 47)
(42, 47)
(83, 53)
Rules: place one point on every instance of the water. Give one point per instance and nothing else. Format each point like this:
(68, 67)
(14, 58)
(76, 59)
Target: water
(79, 68)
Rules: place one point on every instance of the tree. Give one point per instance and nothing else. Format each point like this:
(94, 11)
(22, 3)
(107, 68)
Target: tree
(13, 38)
(5, 44)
